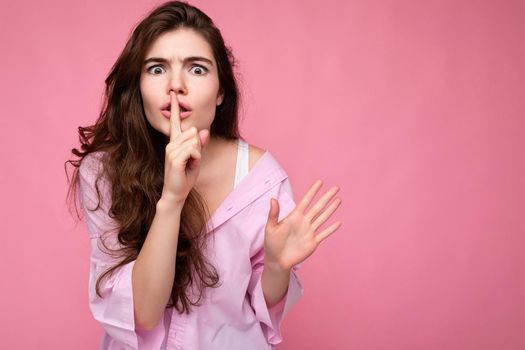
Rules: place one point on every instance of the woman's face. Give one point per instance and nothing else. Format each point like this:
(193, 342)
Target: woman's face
(182, 61)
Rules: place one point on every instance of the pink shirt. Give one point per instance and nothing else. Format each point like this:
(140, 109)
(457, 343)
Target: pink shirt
(232, 316)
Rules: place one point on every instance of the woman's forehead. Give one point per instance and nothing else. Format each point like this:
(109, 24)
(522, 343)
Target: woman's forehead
(180, 43)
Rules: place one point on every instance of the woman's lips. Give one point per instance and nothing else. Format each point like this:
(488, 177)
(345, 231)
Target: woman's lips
(166, 110)
(183, 115)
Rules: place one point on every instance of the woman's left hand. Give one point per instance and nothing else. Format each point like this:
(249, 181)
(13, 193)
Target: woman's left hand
(293, 239)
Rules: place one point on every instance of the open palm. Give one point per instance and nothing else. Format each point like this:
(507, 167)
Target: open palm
(295, 238)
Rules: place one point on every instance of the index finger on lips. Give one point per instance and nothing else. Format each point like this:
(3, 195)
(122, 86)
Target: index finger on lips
(174, 117)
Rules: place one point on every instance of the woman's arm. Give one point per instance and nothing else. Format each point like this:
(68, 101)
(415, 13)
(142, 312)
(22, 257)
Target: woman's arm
(154, 271)
(274, 282)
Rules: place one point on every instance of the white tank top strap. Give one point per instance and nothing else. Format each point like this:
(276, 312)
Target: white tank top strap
(242, 167)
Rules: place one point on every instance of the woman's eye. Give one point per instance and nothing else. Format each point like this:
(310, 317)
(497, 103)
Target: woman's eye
(199, 70)
(155, 70)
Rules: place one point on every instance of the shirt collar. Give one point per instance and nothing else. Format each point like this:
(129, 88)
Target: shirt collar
(264, 175)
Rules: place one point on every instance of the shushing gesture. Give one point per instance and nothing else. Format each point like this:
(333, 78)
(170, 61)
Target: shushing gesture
(295, 238)
(183, 155)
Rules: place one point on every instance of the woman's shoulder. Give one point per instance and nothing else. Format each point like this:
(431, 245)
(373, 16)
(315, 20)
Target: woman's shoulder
(267, 162)
(92, 164)
(92, 159)
(255, 153)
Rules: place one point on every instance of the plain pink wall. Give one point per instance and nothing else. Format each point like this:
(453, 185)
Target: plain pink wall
(415, 108)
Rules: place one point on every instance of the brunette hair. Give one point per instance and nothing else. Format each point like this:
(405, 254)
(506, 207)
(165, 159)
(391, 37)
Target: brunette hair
(134, 152)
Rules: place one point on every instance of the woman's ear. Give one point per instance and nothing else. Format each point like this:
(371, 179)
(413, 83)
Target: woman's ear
(219, 100)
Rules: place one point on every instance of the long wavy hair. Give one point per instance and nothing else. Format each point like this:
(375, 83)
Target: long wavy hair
(134, 152)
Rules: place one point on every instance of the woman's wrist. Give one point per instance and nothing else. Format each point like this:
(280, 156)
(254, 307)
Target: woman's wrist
(275, 266)
(169, 203)
(274, 281)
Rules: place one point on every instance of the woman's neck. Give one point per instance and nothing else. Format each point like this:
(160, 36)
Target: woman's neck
(214, 154)
(212, 149)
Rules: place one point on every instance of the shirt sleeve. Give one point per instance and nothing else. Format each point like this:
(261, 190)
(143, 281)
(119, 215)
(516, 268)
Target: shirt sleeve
(115, 310)
(271, 318)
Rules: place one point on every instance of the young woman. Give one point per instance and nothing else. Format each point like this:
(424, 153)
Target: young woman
(195, 235)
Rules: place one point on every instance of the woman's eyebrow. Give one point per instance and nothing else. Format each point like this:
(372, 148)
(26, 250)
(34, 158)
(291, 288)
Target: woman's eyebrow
(185, 60)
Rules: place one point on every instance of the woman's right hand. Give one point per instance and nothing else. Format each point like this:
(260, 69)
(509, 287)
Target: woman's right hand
(183, 156)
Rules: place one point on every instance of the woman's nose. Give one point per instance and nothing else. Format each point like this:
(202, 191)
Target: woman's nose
(177, 84)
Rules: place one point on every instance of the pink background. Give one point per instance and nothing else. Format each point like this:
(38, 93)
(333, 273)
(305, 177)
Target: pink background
(414, 108)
